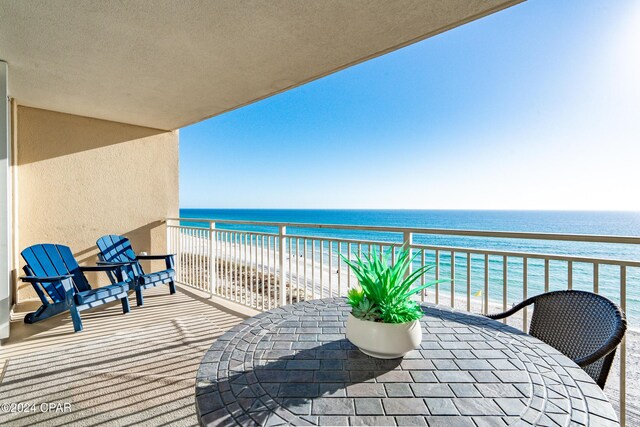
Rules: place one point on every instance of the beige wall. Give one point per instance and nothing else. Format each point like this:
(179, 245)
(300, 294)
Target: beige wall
(80, 178)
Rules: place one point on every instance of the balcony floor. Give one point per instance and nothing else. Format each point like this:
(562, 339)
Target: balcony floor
(140, 368)
(131, 369)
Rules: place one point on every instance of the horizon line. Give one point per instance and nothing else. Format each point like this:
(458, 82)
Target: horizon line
(421, 209)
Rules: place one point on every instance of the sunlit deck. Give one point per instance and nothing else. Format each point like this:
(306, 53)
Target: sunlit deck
(133, 369)
(122, 369)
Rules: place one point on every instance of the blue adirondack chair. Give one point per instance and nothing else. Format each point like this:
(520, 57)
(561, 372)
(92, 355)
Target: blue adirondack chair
(54, 272)
(116, 249)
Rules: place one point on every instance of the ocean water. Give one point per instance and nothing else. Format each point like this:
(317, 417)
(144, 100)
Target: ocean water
(568, 222)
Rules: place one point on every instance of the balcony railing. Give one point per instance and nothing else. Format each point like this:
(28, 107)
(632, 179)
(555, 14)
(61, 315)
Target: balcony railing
(264, 265)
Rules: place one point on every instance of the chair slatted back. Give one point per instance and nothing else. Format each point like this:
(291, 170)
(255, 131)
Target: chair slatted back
(54, 260)
(114, 248)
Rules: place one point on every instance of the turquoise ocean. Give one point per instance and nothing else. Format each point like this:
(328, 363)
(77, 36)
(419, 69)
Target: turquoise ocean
(567, 222)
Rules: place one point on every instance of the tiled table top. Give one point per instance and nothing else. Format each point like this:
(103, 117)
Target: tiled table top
(293, 366)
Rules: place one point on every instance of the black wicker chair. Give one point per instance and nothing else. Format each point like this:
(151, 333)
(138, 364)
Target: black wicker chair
(586, 327)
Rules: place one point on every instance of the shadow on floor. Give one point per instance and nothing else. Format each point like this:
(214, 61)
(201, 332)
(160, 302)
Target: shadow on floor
(123, 369)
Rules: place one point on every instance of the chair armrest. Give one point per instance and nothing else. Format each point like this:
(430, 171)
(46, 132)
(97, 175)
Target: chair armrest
(119, 269)
(118, 263)
(610, 345)
(45, 279)
(513, 309)
(164, 256)
(101, 267)
(67, 284)
(168, 258)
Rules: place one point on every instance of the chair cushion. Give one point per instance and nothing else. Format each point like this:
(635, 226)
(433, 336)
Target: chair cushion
(157, 278)
(100, 294)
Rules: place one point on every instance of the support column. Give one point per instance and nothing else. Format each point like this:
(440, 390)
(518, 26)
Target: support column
(5, 206)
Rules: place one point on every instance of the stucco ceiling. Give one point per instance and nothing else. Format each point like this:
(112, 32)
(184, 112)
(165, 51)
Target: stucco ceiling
(166, 64)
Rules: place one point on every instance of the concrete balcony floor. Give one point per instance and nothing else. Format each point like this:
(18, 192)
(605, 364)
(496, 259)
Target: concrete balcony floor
(133, 369)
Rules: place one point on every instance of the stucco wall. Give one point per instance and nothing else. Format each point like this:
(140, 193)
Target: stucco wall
(80, 178)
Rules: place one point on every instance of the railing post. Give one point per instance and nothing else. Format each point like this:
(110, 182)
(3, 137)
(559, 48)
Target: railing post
(623, 350)
(282, 259)
(168, 241)
(213, 257)
(525, 281)
(485, 297)
(407, 241)
(178, 250)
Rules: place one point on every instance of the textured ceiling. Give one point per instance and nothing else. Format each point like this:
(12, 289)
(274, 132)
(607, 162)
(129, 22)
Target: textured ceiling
(166, 64)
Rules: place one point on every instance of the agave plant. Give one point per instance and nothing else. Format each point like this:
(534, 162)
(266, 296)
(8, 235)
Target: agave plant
(385, 290)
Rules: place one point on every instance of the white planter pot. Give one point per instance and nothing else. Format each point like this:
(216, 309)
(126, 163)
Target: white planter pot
(384, 340)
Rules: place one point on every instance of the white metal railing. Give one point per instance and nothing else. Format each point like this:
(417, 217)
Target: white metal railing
(261, 265)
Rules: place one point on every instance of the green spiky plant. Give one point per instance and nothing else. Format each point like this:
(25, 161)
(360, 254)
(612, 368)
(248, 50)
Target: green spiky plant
(385, 290)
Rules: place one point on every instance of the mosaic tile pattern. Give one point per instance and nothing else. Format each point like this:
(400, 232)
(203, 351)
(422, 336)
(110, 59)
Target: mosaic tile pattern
(293, 366)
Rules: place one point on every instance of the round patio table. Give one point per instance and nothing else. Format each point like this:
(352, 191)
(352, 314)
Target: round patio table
(293, 366)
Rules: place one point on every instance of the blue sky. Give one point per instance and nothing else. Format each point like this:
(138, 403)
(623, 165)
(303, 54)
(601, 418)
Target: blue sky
(535, 107)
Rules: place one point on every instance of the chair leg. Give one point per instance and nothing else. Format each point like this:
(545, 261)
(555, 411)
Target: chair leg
(46, 311)
(139, 299)
(125, 305)
(75, 317)
(172, 287)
